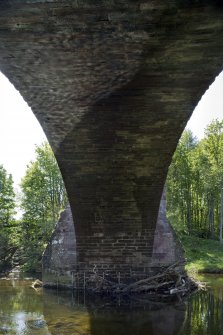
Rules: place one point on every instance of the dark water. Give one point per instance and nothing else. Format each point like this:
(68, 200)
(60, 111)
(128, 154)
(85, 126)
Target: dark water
(25, 311)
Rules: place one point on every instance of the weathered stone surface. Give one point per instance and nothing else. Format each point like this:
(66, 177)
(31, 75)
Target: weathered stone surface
(113, 84)
(167, 249)
(60, 257)
(105, 256)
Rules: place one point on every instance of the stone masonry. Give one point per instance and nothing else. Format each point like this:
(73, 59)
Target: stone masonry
(60, 260)
(60, 257)
(113, 84)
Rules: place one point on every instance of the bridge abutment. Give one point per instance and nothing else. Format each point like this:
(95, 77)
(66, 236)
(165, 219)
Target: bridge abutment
(121, 257)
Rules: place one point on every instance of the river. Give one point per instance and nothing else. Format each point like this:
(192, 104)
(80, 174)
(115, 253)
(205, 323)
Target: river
(25, 311)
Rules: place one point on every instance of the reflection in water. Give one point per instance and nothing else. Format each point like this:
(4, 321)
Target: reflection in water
(77, 315)
(20, 308)
(23, 311)
(205, 309)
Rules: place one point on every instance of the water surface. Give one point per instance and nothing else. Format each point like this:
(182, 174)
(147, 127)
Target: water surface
(25, 311)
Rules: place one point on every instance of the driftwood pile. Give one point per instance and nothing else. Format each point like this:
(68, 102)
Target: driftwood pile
(168, 283)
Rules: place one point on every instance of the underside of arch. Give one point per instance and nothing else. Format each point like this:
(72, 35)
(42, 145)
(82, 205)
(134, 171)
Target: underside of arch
(113, 85)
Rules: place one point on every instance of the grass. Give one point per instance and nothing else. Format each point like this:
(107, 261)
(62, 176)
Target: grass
(203, 256)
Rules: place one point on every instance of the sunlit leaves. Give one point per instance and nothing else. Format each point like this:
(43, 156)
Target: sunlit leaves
(195, 181)
(44, 197)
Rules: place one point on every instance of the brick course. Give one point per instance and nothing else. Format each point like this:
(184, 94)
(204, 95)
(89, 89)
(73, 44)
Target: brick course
(121, 258)
(113, 84)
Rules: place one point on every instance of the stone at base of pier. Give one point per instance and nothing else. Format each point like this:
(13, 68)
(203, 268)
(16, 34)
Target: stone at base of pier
(124, 258)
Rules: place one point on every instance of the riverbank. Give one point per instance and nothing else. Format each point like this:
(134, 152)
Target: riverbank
(203, 256)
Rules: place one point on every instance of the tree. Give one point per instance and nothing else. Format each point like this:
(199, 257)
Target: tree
(7, 198)
(214, 150)
(179, 180)
(195, 182)
(7, 222)
(43, 198)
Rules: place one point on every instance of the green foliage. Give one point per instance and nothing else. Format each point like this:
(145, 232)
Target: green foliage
(179, 181)
(203, 255)
(43, 198)
(195, 181)
(7, 202)
(7, 223)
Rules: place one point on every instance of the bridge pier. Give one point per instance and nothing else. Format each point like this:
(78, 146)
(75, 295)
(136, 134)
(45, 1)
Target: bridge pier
(113, 84)
(69, 261)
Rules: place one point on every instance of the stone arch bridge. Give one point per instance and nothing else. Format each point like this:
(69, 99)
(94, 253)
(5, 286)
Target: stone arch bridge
(113, 84)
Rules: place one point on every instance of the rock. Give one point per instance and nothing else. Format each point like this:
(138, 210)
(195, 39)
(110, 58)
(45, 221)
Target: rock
(4, 329)
(36, 324)
(37, 283)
